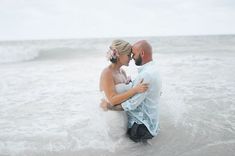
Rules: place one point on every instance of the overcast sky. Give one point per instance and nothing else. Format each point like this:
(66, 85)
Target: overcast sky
(53, 19)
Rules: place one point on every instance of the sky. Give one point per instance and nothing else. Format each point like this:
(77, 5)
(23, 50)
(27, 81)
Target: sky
(58, 19)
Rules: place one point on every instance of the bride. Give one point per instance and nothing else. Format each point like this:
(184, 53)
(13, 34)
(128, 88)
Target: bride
(117, 88)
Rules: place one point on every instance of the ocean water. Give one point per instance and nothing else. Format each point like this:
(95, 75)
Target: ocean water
(49, 98)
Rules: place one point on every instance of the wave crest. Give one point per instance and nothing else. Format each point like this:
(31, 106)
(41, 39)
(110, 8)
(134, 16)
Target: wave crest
(9, 54)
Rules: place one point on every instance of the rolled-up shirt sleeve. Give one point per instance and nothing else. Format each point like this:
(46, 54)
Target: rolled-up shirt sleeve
(136, 100)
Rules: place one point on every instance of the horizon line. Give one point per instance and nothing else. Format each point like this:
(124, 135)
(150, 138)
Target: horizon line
(112, 37)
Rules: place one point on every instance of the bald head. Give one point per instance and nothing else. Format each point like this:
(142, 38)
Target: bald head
(144, 49)
(143, 45)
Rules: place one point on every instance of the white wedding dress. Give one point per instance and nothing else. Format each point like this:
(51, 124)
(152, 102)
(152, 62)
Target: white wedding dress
(117, 120)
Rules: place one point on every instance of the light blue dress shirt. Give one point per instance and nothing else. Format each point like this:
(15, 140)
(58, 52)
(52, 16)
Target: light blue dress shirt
(143, 108)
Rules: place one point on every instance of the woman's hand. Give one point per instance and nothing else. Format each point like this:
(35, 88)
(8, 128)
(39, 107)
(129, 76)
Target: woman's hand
(104, 104)
(141, 87)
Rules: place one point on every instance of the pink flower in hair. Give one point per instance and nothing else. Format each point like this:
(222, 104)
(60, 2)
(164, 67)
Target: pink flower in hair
(112, 54)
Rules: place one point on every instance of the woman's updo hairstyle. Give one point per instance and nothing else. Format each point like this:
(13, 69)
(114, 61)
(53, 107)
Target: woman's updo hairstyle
(118, 47)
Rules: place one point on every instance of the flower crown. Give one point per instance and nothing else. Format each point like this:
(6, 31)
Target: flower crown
(112, 54)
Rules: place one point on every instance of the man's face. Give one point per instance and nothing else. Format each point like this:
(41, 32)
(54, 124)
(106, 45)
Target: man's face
(136, 56)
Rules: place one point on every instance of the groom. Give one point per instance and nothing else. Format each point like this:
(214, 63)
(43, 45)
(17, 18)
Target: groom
(143, 108)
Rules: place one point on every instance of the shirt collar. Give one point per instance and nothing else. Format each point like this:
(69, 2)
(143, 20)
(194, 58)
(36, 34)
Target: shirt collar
(141, 68)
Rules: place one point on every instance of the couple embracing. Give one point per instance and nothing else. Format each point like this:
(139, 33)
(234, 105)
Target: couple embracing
(137, 101)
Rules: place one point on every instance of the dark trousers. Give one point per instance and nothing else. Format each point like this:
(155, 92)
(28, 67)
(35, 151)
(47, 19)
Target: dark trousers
(139, 132)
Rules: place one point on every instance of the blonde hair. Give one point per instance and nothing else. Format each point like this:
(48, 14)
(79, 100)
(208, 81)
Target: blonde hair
(118, 47)
(121, 46)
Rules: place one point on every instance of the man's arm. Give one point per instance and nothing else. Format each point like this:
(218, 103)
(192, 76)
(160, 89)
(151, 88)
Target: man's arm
(137, 99)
